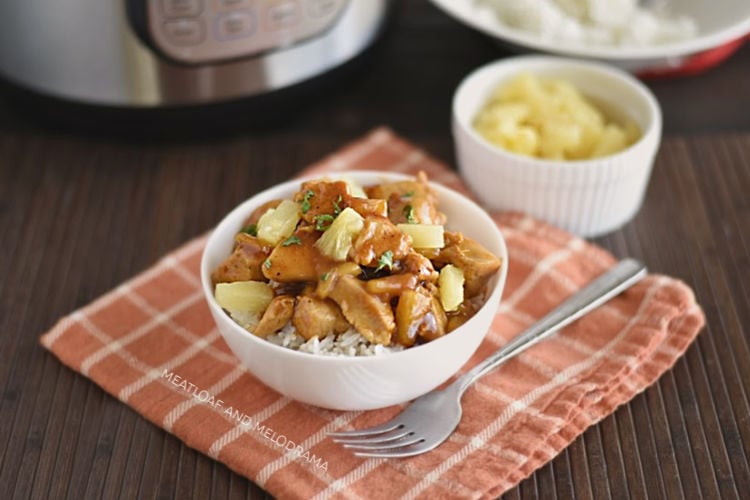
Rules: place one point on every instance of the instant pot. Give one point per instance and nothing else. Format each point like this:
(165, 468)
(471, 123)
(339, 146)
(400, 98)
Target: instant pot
(160, 53)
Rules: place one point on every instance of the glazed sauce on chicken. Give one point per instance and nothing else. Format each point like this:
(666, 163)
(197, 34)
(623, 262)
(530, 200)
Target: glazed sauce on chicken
(381, 264)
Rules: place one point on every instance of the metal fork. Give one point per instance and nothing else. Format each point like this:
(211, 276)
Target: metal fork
(432, 418)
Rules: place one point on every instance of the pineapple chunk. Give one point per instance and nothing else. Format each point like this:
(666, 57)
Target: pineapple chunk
(424, 235)
(336, 241)
(279, 223)
(244, 296)
(451, 286)
(354, 188)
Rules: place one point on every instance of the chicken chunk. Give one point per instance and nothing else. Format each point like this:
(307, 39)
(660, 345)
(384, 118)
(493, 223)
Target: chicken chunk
(464, 313)
(369, 206)
(391, 286)
(378, 236)
(245, 261)
(419, 314)
(477, 263)
(412, 271)
(297, 259)
(322, 197)
(409, 202)
(419, 265)
(435, 323)
(369, 315)
(277, 314)
(317, 318)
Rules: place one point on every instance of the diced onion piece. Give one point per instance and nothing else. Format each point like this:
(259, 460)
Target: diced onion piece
(336, 241)
(451, 287)
(279, 223)
(244, 296)
(424, 235)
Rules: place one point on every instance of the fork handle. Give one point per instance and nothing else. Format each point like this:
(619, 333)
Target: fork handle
(623, 275)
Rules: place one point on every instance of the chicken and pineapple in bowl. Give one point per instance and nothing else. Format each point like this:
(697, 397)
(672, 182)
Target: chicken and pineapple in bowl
(354, 292)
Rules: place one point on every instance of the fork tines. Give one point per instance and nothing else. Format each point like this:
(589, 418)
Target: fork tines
(393, 440)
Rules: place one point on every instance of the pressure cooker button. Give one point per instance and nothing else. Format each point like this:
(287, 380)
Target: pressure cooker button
(235, 25)
(322, 8)
(184, 31)
(181, 8)
(283, 15)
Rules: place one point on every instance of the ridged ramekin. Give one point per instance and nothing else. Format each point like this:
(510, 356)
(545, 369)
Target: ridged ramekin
(587, 197)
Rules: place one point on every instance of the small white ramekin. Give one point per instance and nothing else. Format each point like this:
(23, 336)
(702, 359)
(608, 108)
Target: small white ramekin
(588, 197)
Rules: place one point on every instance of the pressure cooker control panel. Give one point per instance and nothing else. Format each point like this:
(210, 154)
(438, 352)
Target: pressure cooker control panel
(204, 31)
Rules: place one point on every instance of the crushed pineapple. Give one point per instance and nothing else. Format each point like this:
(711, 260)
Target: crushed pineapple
(336, 241)
(613, 139)
(551, 119)
(424, 235)
(278, 223)
(244, 296)
(451, 286)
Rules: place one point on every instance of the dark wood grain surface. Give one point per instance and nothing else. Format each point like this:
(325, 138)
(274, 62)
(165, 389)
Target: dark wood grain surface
(81, 211)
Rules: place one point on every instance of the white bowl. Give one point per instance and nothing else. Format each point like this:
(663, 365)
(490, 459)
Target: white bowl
(358, 383)
(719, 22)
(586, 197)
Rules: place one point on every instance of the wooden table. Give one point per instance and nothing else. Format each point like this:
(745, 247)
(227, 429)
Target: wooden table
(81, 212)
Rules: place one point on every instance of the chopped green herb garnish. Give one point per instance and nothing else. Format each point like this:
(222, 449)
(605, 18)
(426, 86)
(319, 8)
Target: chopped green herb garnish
(337, 206)
(323, 221)
(306, 201)
(252, 230)
(324, 276)
(267, 263)
(292, 240)
(385, 260)
(408, 195)
(409, 214)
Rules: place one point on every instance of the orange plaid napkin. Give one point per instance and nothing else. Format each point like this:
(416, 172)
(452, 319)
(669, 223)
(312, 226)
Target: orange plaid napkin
(152, 343)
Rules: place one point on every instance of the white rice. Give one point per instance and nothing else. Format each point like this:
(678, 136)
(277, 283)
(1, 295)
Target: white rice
(349, 343)
(246, 320)
(623, 23)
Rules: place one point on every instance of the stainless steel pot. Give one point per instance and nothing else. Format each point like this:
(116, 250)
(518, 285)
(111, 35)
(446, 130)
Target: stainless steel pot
(150, 53)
